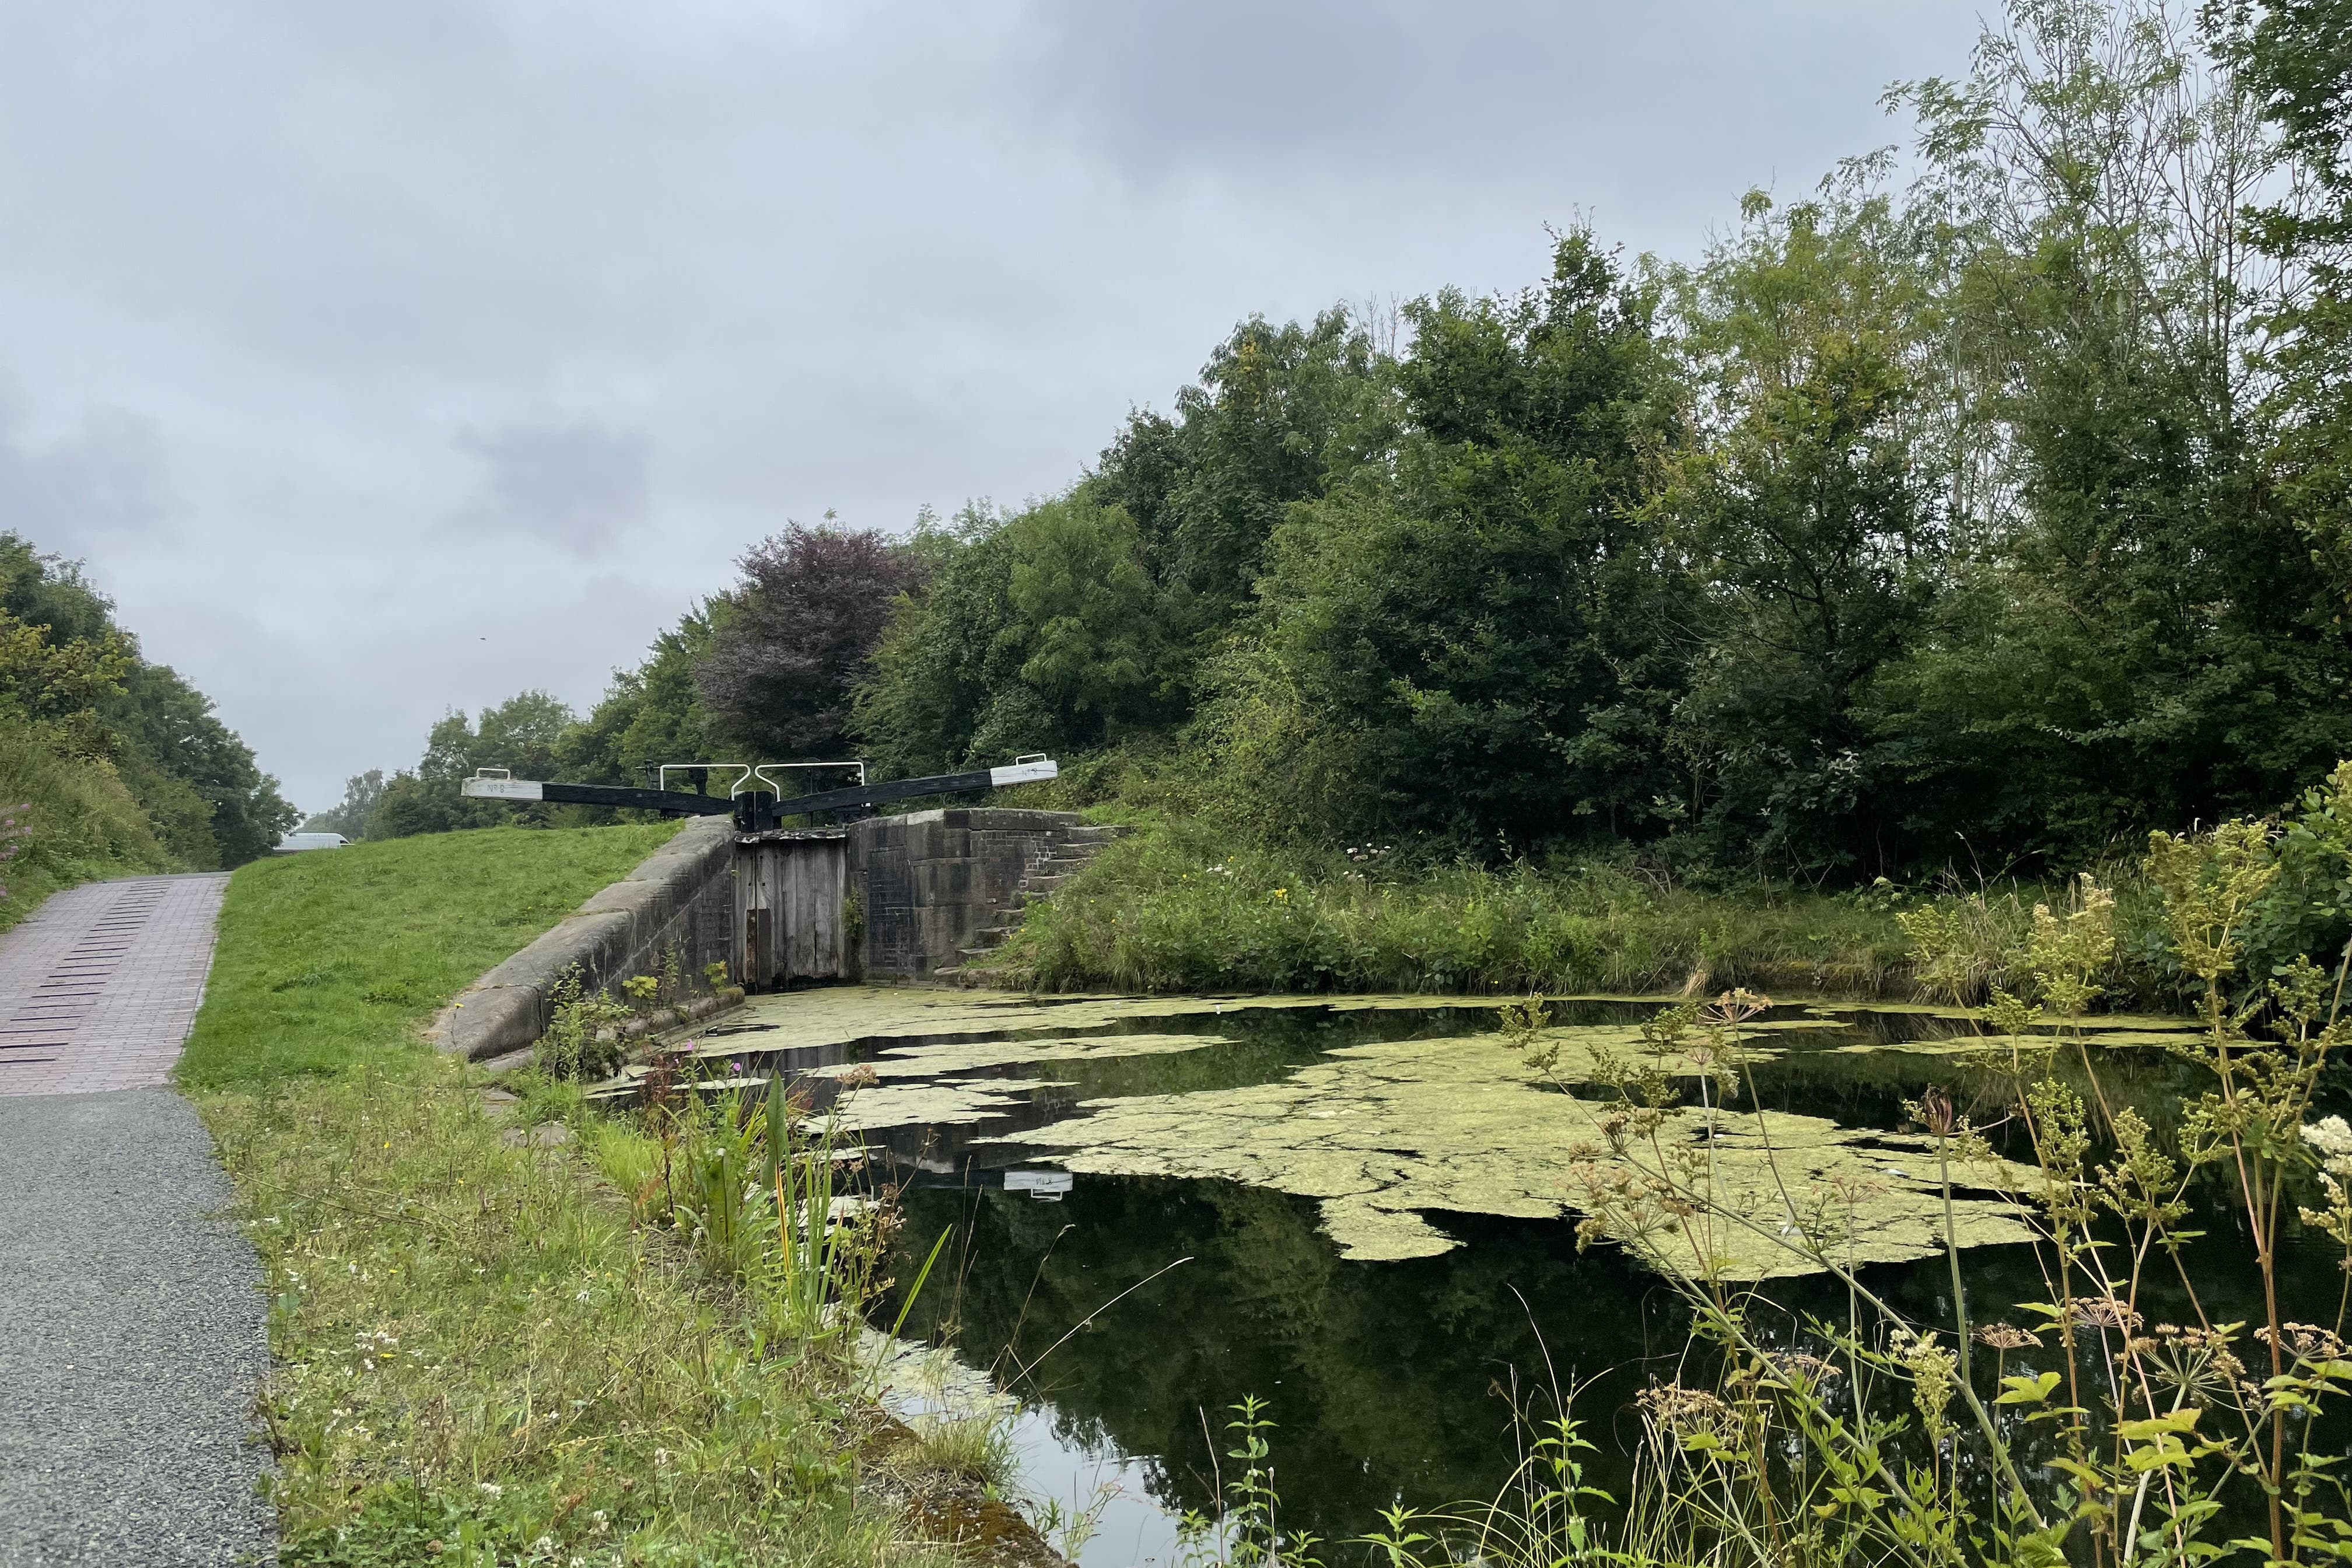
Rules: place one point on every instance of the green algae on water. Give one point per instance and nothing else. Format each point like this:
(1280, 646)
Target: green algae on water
(1379, 1133)
(930, 1061)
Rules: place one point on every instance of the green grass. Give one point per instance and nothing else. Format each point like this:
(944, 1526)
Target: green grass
(84, 824)
(334, 958)
(481, 1360)
(1173, 908)
(481, 1356)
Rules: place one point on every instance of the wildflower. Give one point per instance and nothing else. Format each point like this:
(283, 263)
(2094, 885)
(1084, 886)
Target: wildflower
(1670, 1407)
(2305, 1341)
(490, 1490)
(2105, 1313)
(2332, 1138)
(2007, 1337)
(1933, 1380)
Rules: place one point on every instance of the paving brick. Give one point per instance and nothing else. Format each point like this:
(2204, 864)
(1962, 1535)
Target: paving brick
(99, 988)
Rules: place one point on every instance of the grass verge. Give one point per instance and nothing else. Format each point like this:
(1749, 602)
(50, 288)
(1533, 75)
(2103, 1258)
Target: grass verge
(332, 959)
(1174, 907)
(481, 1358)
(80, 824)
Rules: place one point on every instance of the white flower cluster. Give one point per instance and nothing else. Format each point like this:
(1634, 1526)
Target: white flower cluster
(2332, 1138)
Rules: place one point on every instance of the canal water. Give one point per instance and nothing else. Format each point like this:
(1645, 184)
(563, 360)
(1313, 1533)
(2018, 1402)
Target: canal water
(1360, 1211)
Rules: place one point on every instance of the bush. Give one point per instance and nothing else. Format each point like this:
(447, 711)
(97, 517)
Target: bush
(84, 824)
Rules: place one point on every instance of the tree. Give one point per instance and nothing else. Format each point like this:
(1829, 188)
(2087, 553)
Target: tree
(652, 714)
(177, 748)
(2135, 634)
(1806, 506)
(1088, 617)
(1278, 412)
(362, 792)
(525, 734)
(205, 798)
(2294, 60)
(948, 665)
(782, 670)
(1467, 640)
(1036, 632)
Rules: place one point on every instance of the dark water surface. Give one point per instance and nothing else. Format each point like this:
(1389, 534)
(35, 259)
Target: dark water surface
(1132, 1312)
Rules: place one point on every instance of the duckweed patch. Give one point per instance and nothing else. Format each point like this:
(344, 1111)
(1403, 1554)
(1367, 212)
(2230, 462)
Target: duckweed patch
(841, 1016)
(1386, 1135)
(927, 1061)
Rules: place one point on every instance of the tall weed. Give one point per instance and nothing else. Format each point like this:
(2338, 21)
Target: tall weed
(1173, 908)
(2087, 1433)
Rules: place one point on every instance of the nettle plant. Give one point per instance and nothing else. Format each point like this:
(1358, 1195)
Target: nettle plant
(583, 1038)
(2125, 1419)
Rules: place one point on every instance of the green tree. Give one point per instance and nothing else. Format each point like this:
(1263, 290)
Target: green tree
(362, 792)
(949, 653)
(652, 714)
(525, 734)
(1276, 413)
(2135, 634)
(1806, 505)
(1088, 617)
(97, 698)
(2294, 59)
(1467, 640)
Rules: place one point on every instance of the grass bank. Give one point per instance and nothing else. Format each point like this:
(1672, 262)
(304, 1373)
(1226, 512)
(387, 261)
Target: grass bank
(78, 820)
(1174, 907)
(481, 1356)
(332, 960)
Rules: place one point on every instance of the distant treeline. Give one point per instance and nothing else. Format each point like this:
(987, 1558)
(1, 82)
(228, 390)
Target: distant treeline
(1990, 514)
(121, 763)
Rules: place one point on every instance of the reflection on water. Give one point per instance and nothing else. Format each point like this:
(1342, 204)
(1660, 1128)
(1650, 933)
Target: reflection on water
(1130, 1312)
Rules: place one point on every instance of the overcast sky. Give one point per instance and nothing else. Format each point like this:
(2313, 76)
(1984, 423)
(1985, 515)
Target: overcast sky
(385, 356)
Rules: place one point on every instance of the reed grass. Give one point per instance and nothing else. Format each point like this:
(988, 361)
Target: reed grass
(1172, 907)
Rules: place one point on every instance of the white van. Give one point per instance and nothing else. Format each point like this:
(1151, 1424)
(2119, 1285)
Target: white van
(295, 843)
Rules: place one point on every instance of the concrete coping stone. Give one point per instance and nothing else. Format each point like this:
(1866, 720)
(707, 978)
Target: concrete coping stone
(508, 1007)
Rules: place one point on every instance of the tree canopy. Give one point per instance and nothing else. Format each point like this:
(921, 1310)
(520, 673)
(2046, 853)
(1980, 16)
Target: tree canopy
(1998, 509)
(74, 683)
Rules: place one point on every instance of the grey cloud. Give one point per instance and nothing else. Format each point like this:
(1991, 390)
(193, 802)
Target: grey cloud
(104, 481)
(1483, 90)
(577, 487)
(808, 255)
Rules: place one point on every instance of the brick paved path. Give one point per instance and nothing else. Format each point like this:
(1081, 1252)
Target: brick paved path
(99, 987)
(133, 1336)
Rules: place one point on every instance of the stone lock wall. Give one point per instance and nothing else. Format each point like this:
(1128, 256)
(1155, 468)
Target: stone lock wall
(929, 882)
(682, 894)
(925, 886)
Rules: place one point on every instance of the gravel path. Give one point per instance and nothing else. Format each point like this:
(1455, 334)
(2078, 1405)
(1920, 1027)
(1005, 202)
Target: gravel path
(132, 1330)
